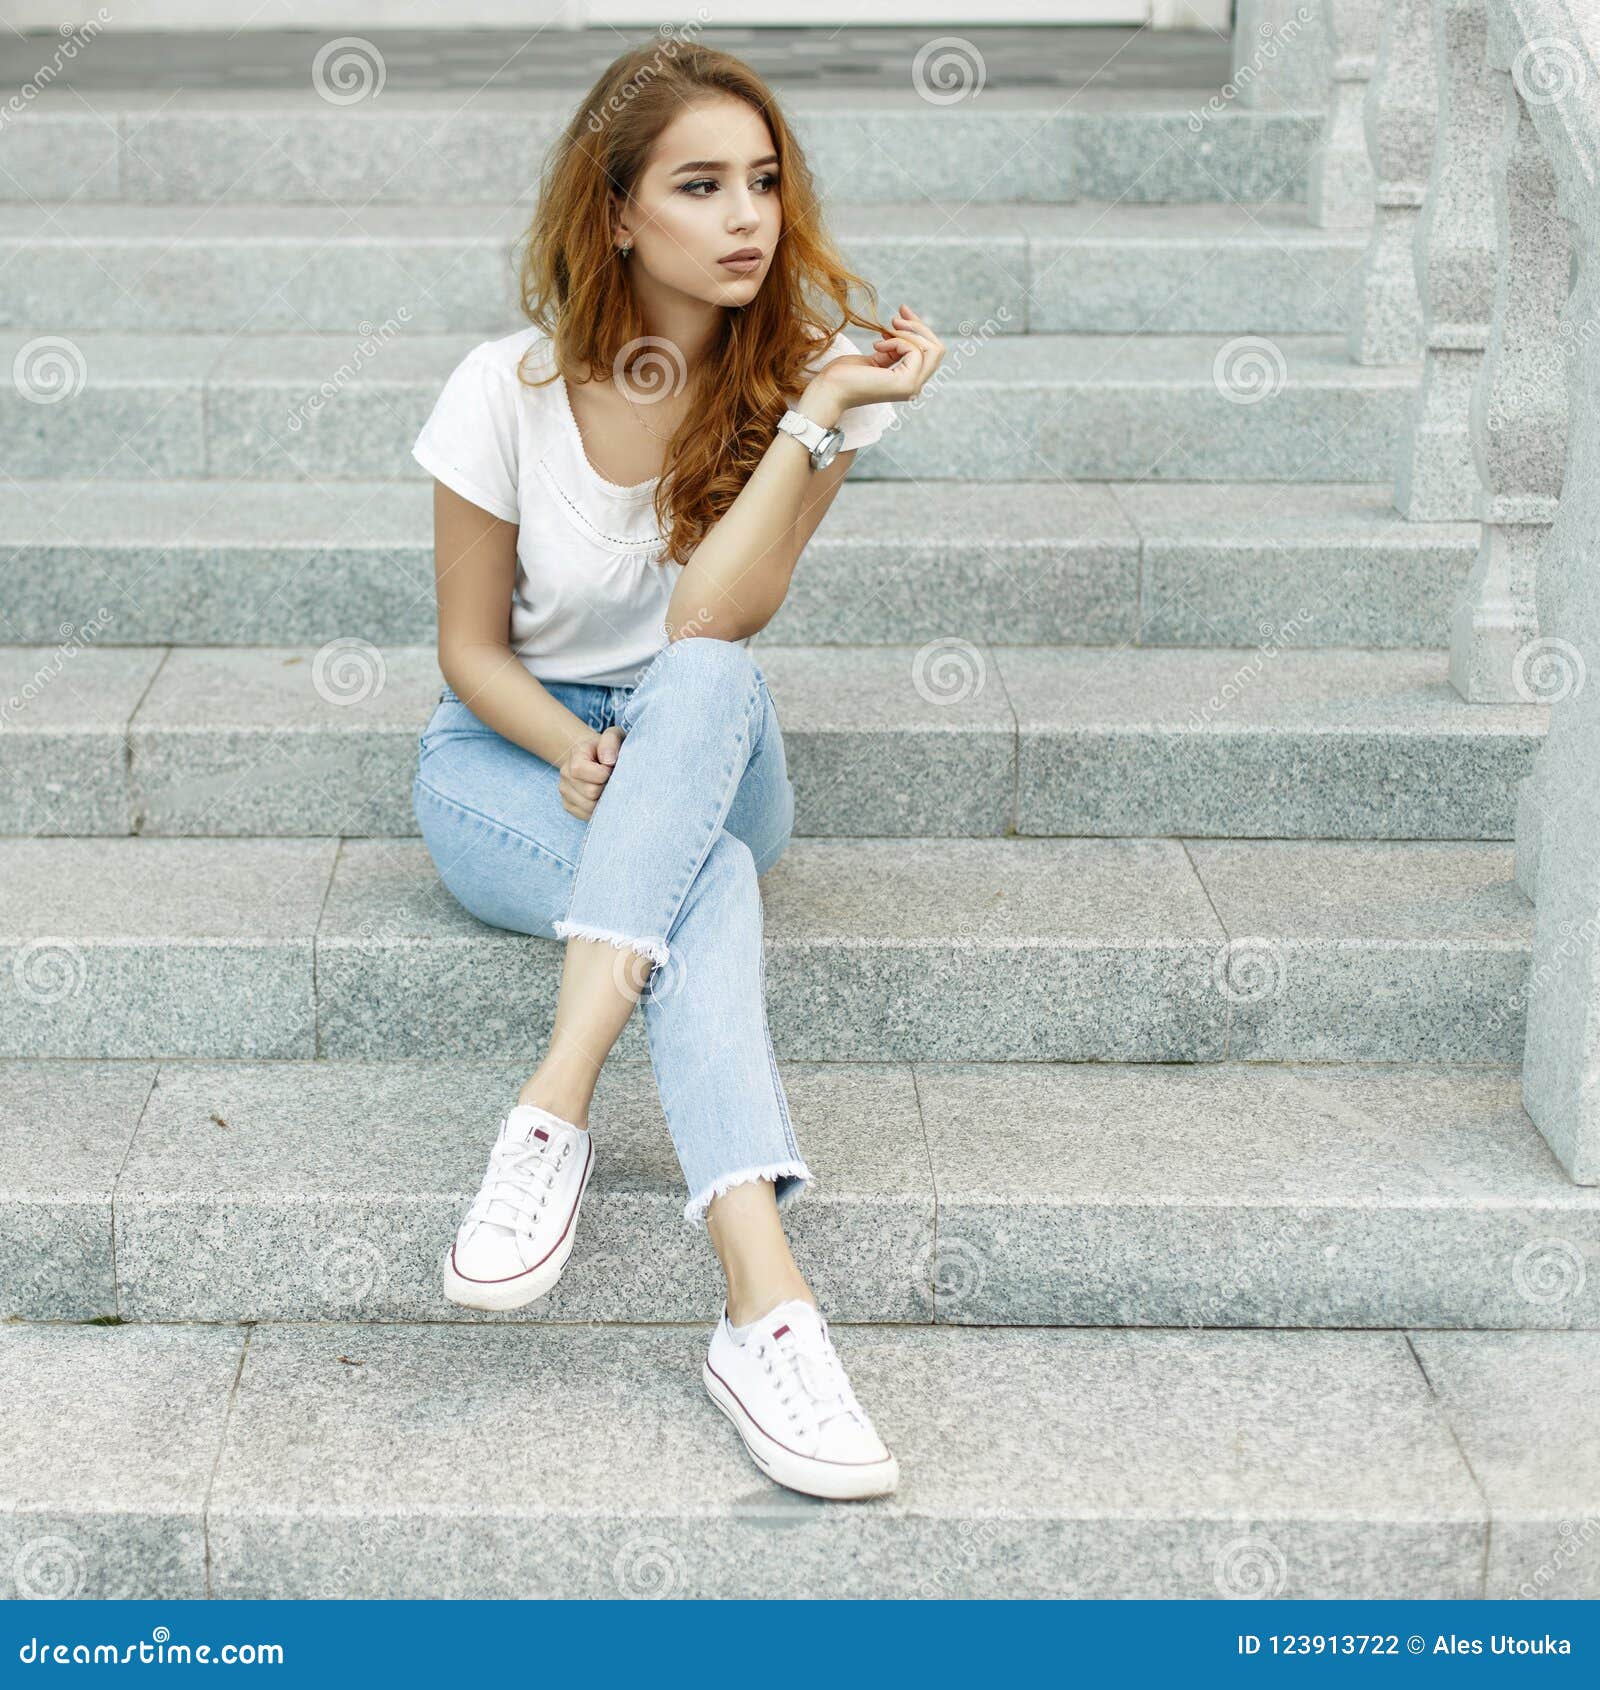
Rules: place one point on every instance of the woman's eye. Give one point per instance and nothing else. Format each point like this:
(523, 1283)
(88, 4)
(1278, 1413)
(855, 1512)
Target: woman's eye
(711, 182)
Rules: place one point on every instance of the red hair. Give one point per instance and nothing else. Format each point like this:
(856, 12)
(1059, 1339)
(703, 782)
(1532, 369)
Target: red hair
(575, 285)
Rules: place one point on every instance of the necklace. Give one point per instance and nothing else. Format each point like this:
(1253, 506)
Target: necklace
(635, 409)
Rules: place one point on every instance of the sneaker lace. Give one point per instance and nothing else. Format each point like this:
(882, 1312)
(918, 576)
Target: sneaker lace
(815, 1376)
(516, 1176)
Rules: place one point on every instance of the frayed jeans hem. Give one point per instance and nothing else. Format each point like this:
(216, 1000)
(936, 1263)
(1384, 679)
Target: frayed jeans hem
(799, 1175)
(655, 949)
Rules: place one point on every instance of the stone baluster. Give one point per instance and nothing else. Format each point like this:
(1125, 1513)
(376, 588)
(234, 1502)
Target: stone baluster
(1340, 185)
(1518, 410)
(1436, 479)
(1401, 110)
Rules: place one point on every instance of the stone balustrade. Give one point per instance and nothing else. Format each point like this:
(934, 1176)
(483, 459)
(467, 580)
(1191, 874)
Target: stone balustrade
(1500, 294)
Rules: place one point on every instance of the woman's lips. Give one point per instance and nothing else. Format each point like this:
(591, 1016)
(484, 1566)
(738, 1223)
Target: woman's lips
(742, 265)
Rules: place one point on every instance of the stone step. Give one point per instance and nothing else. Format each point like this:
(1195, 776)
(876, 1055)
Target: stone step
(949, 739)
(1187, 269)
(994, 950)
(1038, 407)
(1036, 1194)
(1176, 564)
(356, 1460)
(487, 148)
(969, 268)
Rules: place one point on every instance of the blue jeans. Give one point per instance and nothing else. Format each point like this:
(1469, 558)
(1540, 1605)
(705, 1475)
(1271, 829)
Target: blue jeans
(698, 804)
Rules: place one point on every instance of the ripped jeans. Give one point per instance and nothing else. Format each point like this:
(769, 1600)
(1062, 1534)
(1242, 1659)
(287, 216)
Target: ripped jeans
(698, 804)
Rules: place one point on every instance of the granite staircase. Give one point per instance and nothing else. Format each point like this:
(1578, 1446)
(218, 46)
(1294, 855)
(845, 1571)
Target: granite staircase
(1145, 973)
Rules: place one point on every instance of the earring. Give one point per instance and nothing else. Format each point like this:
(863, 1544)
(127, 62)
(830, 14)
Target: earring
(626, 250)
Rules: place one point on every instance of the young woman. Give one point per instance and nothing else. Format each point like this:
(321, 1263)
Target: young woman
(622, 492)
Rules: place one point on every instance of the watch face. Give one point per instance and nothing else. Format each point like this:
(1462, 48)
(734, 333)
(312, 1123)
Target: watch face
(829, 448)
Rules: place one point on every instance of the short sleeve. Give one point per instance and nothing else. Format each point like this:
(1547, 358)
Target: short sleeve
(469, 441)
(862, 424)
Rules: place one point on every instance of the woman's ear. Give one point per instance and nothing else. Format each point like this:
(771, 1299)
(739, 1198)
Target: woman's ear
(621, 235)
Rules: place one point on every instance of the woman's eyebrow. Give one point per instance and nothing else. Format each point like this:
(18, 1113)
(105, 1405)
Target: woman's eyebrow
(721, 164)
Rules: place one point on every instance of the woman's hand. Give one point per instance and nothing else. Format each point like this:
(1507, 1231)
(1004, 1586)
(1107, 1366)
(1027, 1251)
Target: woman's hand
(897, 368)
(585, 770)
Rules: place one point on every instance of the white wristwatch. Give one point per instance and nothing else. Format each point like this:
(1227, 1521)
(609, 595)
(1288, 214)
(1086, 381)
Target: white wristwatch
(822, 443)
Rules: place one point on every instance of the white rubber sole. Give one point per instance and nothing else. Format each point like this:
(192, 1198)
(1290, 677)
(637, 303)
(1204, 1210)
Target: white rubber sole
(827, 1479)
(525, 1288)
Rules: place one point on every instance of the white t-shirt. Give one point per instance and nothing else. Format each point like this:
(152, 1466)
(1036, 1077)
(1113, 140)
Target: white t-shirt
(590, 598)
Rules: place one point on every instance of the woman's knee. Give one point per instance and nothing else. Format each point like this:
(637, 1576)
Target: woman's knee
(773, 840)
(711, 668)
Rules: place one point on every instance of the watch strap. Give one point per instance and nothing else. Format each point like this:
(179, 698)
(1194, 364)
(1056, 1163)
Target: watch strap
(808, 431)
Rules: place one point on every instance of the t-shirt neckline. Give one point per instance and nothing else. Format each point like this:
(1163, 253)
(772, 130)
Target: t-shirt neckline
(636, 492)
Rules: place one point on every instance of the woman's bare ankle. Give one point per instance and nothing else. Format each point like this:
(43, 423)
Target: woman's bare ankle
(566, 1101)
(751, 1305)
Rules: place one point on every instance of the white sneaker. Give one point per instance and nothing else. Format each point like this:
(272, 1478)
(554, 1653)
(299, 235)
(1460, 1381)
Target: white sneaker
(515, 1239)
(785, 1390)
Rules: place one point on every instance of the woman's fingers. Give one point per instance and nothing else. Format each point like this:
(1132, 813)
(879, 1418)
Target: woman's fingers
(908, 322)
(584, 776)
(587, 767)
(578, 804)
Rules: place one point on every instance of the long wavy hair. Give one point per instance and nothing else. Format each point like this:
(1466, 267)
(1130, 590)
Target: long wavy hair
(575, 287)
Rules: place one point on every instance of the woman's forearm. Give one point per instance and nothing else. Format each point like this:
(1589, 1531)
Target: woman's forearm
(493, 683)
(738, 575)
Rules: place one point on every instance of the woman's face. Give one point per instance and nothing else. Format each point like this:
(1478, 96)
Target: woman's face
(710, 189)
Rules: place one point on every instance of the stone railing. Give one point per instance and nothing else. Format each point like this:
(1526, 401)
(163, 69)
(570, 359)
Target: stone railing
(1466, 133)
(1482, 120)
